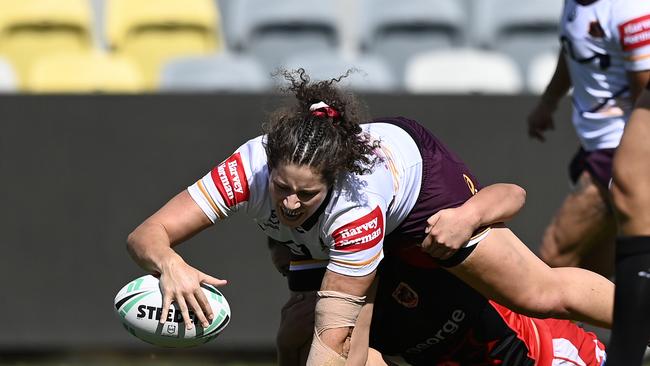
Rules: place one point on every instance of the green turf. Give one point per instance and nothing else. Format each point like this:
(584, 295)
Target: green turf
(137, 359)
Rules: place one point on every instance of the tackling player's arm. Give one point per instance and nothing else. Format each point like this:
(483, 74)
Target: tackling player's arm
(150, 245)
(452, 228)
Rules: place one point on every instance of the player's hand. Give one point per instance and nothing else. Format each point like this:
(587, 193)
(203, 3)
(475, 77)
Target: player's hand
(448, 231)
(181, 283)
(540, 120)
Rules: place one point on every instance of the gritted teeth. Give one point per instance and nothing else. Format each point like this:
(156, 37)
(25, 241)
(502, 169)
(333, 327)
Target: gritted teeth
(290, 213)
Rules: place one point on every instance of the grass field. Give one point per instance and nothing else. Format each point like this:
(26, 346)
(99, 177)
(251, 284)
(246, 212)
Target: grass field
(163, 358)
(144, 359)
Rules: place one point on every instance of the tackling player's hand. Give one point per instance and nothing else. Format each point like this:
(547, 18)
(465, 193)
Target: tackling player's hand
(181, 283)
(448, 231)
(540, 120)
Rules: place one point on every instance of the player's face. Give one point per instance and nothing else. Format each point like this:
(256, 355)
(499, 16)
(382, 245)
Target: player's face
(297, 192)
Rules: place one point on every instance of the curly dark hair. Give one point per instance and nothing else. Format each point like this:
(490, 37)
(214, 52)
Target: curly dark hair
(329, 145)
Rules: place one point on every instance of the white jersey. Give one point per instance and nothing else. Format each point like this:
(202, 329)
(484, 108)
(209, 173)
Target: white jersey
(347, 233)
(602, 41)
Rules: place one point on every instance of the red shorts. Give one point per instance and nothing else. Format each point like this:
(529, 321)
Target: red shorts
(554, 342)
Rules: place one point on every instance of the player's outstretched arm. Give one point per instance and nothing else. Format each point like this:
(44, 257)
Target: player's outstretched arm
(502, 268)
(150, 245)
(450, 229)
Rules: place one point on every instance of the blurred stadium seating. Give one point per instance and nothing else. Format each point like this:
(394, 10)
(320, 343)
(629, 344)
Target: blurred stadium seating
(455, 71)
(32, 29)
(397, 30)
(368, 73)
(540, 71)
(373, 35)
(87, 72)
(521, 32)
(275, 30)
(152, 31)
(224, 72)
(8, 79)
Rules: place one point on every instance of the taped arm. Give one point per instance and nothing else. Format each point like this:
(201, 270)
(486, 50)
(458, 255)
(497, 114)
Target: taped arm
(340, 304)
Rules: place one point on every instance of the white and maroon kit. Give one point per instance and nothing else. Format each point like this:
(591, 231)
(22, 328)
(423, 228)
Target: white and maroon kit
(602, 41)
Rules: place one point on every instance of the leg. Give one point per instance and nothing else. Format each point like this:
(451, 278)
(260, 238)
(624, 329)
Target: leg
(631, 194)
(296, 328)
(297, 315)
(631, 171)
(582, 232)
(502, 268)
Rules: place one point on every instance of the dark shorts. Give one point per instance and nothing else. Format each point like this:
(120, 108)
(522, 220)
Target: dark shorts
(429, 317)
(446, 183)
(598, 163)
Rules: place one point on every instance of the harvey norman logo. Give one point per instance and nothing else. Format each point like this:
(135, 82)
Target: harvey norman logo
(360, 234)
(230, 179)
(635, 33)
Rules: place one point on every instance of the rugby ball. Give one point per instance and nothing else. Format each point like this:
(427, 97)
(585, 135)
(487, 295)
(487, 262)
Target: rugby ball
(139, 306)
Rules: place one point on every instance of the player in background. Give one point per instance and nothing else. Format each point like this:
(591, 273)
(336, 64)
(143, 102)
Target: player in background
(605, 57)
(345, 195)
(631, 193)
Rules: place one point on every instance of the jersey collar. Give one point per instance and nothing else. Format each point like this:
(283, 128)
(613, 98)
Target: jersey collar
(313, 219)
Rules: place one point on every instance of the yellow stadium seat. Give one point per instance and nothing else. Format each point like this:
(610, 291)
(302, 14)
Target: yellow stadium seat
(151, 32)
(31, 29)
(87, 72)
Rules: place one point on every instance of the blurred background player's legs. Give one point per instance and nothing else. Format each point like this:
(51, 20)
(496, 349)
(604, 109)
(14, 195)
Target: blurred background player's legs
(296, 329)
(293, 339)
(631, 193)
(582, 232)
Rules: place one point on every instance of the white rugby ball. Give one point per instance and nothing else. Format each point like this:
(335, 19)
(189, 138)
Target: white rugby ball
(139, 306)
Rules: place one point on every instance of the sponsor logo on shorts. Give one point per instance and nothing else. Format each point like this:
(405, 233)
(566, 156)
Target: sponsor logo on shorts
(450, 327)
(635, 33)
(230, 179)
(405, 296)
(360, 234)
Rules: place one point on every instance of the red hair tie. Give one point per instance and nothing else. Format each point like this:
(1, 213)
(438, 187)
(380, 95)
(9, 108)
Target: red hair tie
(321, 109)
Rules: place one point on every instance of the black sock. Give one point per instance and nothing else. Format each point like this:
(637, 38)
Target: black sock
(631, 329)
